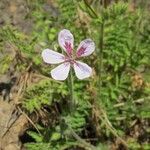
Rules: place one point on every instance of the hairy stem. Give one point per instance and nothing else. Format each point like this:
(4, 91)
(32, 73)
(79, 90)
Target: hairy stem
(71, 89)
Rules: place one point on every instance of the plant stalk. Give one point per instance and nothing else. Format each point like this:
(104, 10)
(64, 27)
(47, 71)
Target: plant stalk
(100, 53)
(71, 89)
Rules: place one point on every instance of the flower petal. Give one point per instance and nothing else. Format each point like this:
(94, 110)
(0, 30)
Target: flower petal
(61, 72)
(66, 39)
(52, 57)
(82, 70)
(85, 48)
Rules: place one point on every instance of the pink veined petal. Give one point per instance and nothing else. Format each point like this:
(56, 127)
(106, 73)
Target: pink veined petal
(52, 57)
(82, 70)
(85, 48)
(61, 72)
(66, 40)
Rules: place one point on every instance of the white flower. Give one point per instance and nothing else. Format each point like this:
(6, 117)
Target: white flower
(66, 40)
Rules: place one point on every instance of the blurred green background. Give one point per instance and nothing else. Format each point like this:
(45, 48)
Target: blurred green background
(112, 107)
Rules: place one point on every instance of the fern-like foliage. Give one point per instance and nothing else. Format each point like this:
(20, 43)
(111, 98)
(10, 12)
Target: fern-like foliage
(34, 97)
(68, 11)
(42, 94)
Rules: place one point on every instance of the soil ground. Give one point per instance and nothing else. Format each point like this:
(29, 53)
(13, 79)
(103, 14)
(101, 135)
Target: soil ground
(12, 122)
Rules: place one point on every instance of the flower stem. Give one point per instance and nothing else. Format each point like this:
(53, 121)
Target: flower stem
(71, 89)
(100, 53)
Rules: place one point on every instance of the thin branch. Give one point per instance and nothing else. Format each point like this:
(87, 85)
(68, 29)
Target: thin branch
(29, 119)
(111, 128)
(140, 100)
(90, 8)
(80, 140)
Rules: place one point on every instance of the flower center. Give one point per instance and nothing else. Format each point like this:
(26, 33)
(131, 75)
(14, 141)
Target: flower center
(70, 60)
